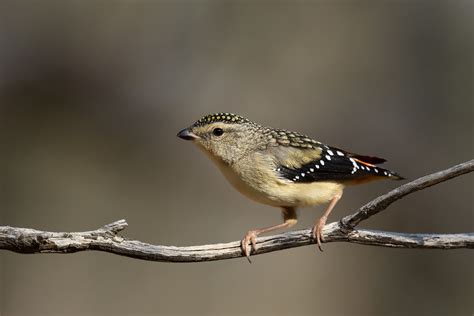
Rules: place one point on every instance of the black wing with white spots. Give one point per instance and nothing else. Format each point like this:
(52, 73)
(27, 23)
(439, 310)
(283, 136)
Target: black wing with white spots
(336, 165)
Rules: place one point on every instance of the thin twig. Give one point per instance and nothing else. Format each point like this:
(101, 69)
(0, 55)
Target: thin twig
(106, 238)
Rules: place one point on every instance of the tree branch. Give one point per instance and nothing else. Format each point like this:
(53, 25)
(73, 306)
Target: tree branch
(106, 238)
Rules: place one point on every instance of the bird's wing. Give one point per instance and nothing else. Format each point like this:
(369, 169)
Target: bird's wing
(323, 163)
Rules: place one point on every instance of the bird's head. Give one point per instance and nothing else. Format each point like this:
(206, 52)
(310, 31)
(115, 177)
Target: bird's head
(225, 136)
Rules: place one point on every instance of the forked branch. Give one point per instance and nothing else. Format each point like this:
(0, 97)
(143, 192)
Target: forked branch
(107, 239)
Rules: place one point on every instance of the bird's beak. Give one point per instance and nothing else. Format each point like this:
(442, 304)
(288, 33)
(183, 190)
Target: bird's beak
(187, 134)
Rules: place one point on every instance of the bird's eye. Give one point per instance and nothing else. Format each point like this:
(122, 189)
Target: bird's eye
(217, 131)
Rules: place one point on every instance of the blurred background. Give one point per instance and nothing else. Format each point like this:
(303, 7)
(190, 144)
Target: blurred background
(94, 92)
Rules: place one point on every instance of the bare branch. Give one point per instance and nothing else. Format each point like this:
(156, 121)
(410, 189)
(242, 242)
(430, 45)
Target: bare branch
(25, 240)
(106, 238)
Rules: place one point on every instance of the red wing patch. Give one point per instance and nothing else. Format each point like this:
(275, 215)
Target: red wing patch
(370, 160)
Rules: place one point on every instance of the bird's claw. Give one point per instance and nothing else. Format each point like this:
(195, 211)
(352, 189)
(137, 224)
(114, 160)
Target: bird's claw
(318, 233)
(250, 238)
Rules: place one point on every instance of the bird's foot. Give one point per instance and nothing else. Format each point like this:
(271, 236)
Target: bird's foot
(250, 238)
(318, 232)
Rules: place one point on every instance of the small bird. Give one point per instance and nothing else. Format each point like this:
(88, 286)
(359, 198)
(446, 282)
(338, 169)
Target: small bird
(280, 168)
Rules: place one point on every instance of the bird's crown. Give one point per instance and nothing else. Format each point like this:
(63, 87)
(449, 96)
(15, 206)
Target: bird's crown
(221, 117)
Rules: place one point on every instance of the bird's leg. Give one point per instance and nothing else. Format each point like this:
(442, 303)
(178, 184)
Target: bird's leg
(319, 225)
(289, 219)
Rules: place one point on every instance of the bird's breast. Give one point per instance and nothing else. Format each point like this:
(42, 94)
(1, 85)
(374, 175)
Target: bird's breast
(249, 185)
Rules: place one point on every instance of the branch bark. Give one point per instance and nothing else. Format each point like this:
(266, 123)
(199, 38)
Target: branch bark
(107, 239)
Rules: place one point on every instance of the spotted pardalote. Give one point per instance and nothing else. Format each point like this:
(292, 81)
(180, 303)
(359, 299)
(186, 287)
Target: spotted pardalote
(280, 168)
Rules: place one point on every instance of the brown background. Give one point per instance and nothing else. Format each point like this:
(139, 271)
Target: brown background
(93, 93)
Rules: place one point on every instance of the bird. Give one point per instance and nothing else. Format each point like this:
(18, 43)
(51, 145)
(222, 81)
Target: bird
(281, 168)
